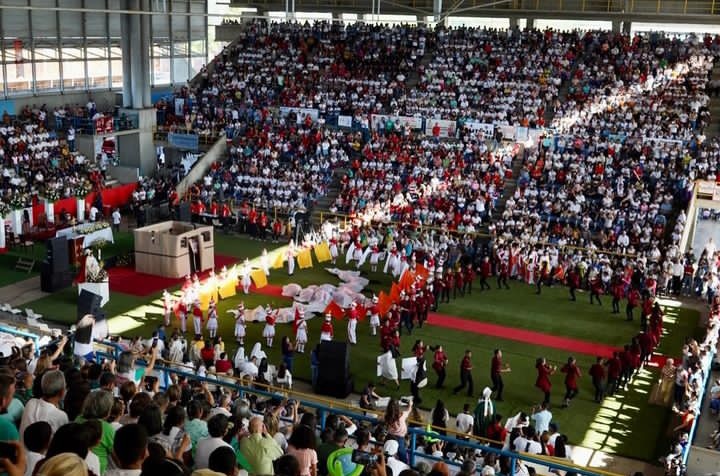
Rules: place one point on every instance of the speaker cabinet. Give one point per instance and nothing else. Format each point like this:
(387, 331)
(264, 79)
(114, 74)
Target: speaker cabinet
(57, 255)
(334, 370)
(54, 281)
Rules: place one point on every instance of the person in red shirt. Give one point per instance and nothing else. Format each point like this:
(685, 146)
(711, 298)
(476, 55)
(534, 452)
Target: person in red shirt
(542, 382)
(226, 215)
(466, 379)
(497, 432)
(573, 281)
(646, 348)
(263, 225)
(440, 361)
(277, 230)
(632, 301)
(542, 277)
(572, 373)
(496, 370)
(618, 291)
(207, 354)
(459, 283)
(485, 272)
(596, 289)
(449, 284)
(614, 367)
(503, 274)
(223, 365)
(597, 372)
(252, 222)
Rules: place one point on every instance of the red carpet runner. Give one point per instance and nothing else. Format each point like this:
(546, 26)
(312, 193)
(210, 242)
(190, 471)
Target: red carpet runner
(126, 280)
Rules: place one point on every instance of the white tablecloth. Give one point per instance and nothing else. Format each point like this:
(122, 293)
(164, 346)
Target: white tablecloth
(76, 232)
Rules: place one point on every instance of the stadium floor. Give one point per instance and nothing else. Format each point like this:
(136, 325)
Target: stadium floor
(620, 425)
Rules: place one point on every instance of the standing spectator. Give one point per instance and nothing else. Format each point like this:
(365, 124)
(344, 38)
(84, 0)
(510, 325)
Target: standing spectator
(542, 417)
(8, 431)
(464, 422)
(47, 408)
(223, 461)
(259, 448)
(129, 451)
(396, 423)
(98, 406)
(302, 446)
(37, 440)
(217, 428)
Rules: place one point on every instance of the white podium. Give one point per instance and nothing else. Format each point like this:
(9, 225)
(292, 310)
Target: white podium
(101, 289)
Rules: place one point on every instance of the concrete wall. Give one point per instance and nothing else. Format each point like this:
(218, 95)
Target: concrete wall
(216, 152)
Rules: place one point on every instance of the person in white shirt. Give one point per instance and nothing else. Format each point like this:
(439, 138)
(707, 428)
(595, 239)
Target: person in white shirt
(528, 443)
(37, 440)
(542, 417)
(93, 213)
(116, 218)
(46, 408)
(464, 421)
(130, 449)
(390, 449)
(217, 427)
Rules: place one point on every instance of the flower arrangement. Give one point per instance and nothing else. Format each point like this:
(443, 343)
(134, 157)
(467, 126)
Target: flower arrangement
(51, 194)
(99, 277)
(93, 227)
(4, 209)
(19, 201)
(82, 190)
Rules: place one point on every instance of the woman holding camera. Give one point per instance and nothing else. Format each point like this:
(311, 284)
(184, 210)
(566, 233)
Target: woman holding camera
(396, 422)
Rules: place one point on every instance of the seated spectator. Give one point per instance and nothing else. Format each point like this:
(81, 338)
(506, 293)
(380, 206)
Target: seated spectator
(217, 428)
(37, 440)
(47, 408)
(130, 449)
(259, 448)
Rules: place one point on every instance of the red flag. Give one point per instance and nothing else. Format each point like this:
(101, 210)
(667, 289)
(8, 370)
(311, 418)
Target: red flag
(394, 292)
(296, 322)
(384, 303)
(334, 310)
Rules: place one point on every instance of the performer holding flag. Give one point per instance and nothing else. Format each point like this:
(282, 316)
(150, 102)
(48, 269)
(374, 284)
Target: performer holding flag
(212, 323)
(269, 331)
(181, 313)
(374, 313)
(300, 325)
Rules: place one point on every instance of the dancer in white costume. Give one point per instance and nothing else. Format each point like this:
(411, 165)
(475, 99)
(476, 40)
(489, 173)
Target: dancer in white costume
(353, 317)
(333, 250)
(245, 279)
(212, 322)
(374, 258)
(269, 330)
(301, 336)
(387, 368)
(265, 262)
(290, 254)
(167, 307)
(326, 330)
(240, 324)
(197, 318)
(374, 313)
(392, 259)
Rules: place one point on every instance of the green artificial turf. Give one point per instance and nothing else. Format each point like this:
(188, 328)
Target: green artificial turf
(8, 273)
(626, 425)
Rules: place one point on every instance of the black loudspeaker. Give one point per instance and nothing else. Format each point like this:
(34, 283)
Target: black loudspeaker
(88, 303)
(57, 254)
(51, 281)
(334, 370)
(184, 212)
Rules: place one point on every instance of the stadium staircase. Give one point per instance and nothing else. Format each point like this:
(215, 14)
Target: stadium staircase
(713, 129)
(414, 77)
(323, 204)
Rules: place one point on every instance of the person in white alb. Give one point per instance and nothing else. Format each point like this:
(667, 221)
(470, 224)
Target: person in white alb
(240, 324)
(46, 408)
(217, 427)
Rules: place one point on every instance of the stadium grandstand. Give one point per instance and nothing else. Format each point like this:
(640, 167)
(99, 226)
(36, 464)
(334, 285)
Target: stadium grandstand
(345, 238)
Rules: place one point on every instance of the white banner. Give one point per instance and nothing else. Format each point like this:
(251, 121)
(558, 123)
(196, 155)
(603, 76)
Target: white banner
(179, 105)
(521, 134)
(447, 128)
(301, 112)
(488, 129)
(344, 121)
(508, 132)
(376, 121)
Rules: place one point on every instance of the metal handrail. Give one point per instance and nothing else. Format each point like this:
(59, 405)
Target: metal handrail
(324, 405)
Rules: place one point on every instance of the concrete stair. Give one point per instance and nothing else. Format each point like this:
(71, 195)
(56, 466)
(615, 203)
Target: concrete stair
(713, 129)
(414, 77)
(323, 204)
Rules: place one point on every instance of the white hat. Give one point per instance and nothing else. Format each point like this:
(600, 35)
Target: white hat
(391, 447)
(328, 317)
(353, 304)
(375, 299)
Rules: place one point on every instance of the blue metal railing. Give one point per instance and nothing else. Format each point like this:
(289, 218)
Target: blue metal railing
(324, 410)
(707, 369)
(20, 333)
